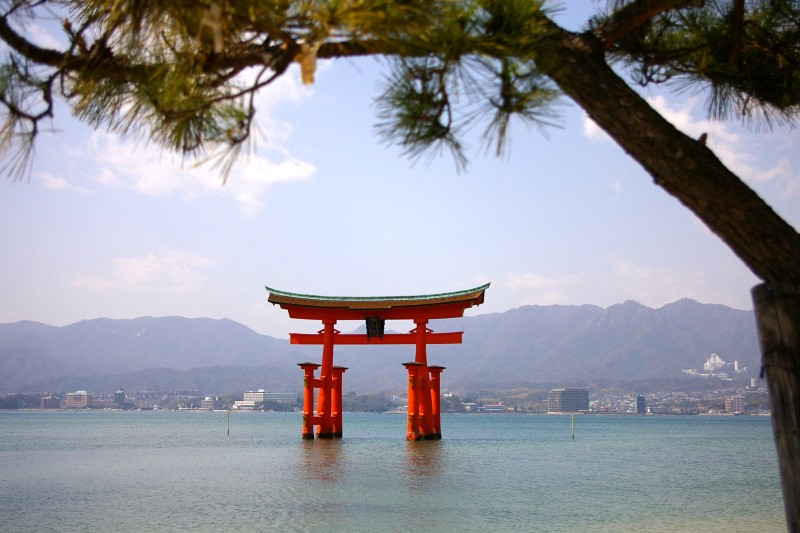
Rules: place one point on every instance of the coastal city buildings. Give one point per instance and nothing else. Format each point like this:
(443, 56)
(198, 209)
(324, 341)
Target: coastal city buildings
(252, 400)
(717, 367)
(212, 403)
(735, 405)
(50, 402)
(261, 396)
(119, 398)
(77, 400)
(750, 399)
(568, 400)
(641, 405)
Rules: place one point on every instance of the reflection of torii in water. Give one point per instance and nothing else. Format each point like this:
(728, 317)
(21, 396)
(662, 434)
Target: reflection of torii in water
(423, 380)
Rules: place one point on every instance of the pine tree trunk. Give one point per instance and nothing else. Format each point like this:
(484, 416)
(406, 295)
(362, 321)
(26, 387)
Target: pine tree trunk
(684, 167)
(778, 320)
(690, 172)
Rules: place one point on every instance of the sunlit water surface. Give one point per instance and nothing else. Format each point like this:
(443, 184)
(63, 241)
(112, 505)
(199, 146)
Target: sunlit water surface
(182, 471)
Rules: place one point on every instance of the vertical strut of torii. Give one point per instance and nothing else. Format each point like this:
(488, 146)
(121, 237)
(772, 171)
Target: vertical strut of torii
(423, 380)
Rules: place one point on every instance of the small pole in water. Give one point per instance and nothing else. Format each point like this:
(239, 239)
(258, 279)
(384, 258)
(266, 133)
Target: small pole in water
(573, 427)
(228, 418)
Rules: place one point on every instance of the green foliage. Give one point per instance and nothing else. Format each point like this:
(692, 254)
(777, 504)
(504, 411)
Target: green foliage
(417, 109)
(474, 69)
(280, 407)
(745, 53)
(452, 404)
(181, 74)
(184, 74)
(20, 401)
(367, 403)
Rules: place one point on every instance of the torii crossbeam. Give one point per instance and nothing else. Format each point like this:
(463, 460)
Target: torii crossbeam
(423, 380)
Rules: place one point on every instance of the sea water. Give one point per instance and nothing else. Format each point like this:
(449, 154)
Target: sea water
(209, 471)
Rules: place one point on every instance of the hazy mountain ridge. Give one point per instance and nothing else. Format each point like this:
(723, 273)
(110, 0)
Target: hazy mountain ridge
(41, 356)
(533, 344)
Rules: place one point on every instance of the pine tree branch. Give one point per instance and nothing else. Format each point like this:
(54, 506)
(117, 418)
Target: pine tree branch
(737, 32)
(332, 50)
(25, 48)
(634, 15)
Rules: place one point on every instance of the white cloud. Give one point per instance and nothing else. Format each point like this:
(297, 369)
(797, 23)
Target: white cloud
(592, 131)
(56, 183)
(531, 288)
(146, 169)
(40, 36)
(629, 270)
(610, 282)
(254, 175)
(528, 280)
(782, 174)
(726, 144)
(782, 169)
(652, 285)
(736, 150)
(285, 89)
(172, 271)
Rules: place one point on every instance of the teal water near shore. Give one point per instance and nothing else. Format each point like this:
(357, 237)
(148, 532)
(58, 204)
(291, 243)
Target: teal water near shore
(182, 471)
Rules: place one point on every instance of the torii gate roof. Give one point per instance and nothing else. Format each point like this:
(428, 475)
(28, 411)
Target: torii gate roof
(443, 305)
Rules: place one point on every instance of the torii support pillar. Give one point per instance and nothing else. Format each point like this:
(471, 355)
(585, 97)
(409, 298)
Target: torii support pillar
(310, 419)
(309, 384)
(424, 417)
(336, 404)
(414, 429)
(436, 398)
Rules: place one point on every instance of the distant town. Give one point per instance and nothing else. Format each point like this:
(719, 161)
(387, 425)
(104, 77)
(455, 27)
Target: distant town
(731, 400)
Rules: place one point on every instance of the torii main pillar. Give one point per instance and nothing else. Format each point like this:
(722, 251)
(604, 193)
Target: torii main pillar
(423, 380)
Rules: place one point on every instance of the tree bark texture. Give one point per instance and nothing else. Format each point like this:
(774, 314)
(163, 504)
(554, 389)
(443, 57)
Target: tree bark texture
(779, 335)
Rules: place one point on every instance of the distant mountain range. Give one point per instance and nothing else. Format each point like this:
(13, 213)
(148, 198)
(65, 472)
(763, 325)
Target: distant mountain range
(567, 345)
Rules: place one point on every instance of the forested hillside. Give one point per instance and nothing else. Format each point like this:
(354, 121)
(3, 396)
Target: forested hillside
(527, 345)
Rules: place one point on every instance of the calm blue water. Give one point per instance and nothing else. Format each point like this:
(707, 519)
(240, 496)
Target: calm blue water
(181, 471)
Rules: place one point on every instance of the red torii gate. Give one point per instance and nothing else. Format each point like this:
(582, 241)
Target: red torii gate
(423, 380)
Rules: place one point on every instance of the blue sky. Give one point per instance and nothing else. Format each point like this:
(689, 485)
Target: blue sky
(108, 227)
